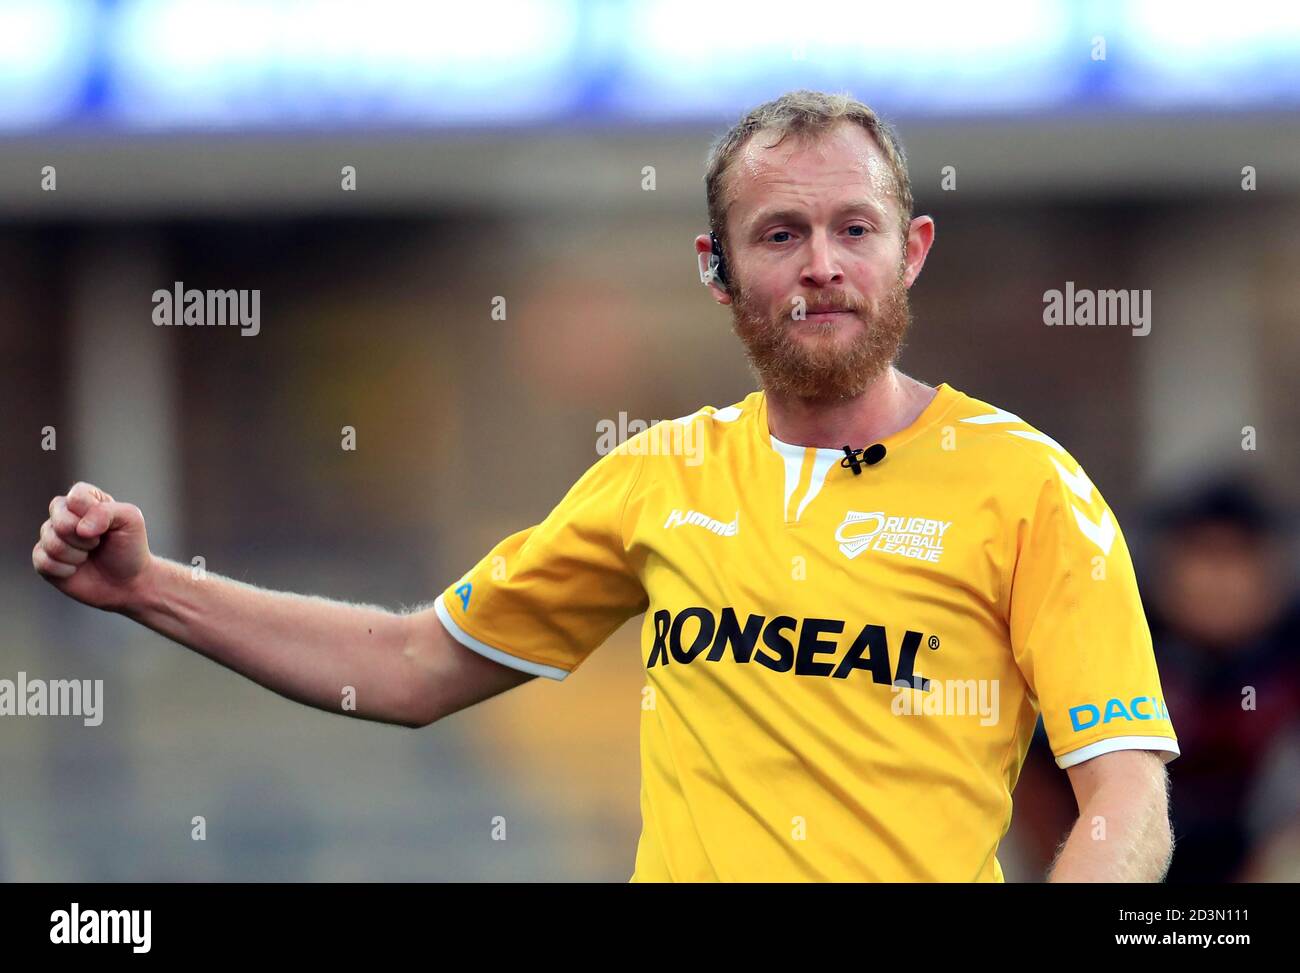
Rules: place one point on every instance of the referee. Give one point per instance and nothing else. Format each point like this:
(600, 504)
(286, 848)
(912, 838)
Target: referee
(857, 604)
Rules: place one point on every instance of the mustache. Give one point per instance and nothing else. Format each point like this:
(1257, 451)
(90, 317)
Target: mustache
(832, 302)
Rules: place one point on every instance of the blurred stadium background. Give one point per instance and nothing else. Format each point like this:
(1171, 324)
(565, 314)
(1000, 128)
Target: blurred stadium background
(500, 150)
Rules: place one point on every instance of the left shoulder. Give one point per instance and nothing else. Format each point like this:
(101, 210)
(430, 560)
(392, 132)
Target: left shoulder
(1030, 472)
(1018, 448)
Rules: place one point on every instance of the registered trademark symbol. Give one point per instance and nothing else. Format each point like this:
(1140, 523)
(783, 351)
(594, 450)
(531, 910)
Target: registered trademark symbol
(934, 642)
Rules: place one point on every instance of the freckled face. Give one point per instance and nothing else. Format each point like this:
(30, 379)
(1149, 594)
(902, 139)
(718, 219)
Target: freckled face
(816, 256)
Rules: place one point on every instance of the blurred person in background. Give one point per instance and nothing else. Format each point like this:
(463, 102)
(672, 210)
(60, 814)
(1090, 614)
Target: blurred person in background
(1225, 619)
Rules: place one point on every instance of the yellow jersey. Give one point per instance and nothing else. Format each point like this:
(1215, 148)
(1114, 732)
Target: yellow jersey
(843, 669)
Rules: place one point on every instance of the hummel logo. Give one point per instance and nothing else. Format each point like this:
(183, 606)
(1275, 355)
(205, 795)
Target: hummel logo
(1101, 533)
(676, 518)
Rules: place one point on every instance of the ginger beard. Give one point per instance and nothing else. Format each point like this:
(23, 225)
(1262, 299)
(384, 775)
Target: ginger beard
(812, 361)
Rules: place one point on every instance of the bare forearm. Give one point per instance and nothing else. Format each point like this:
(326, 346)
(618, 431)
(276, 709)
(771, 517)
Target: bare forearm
(306, 648)
(1119, 837)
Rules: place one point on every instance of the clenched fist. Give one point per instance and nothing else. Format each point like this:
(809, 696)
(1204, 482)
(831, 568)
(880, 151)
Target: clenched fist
(93, 548)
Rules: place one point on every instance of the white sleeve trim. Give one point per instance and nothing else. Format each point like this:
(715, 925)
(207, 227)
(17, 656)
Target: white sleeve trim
(489, 652)
(1168, 749)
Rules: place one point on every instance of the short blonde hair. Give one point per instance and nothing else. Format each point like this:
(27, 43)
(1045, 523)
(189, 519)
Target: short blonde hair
(805, 115)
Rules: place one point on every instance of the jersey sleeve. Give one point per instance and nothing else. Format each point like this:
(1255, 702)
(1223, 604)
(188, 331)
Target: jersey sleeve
(1077, 626)
(545, 597)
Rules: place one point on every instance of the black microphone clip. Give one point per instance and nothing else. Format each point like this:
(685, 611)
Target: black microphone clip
(854, 459)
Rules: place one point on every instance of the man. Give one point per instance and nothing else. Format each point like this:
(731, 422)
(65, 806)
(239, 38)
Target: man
(855, 606)
(1226, 614)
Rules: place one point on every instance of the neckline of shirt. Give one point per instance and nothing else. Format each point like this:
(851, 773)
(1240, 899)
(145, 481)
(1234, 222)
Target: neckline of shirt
(944, 397)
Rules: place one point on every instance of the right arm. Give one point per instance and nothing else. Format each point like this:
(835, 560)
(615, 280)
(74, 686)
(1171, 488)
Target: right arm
(404, 668)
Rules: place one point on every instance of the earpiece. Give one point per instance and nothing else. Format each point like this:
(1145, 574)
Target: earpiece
(715, 270)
